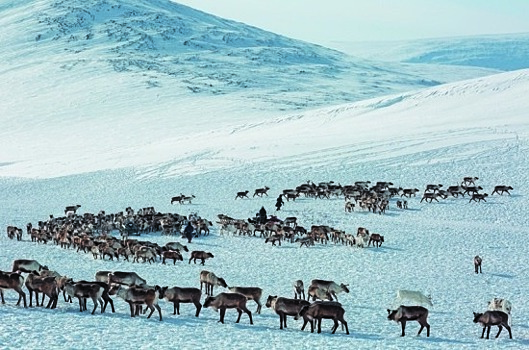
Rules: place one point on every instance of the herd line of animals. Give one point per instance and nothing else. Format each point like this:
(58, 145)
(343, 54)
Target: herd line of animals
(92, 233)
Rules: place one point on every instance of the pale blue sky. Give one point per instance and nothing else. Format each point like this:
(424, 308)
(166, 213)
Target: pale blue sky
(373, 20)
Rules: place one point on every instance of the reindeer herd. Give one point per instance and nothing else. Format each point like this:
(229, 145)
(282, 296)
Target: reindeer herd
(92, 233)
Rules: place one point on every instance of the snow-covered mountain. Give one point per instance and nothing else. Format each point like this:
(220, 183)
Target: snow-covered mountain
(502, 52)
(164, 44)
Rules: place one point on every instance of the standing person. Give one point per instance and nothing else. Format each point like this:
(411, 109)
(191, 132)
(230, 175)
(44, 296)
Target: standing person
(188, 231)
(262, 216)
(279, 202)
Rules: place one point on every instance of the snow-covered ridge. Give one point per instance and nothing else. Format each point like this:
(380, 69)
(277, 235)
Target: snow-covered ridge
(192, 52)
(489, 108)
(503, 51)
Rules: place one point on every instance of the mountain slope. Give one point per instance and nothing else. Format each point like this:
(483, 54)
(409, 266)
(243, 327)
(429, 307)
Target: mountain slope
(165, 45)
(504, 52)
(490, 108)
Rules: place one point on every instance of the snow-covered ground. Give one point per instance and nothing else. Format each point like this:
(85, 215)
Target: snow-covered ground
(88, 134)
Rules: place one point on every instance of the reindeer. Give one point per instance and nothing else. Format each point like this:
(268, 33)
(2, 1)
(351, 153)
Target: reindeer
(176, 246)
(82, 291)
(430, 196)
(13, 231)
(285, 307)
(433, 188)
(242, 195)
(410, 313)
(105, 295)
(376, 239)
(172, 254)
(320, 310)
(120, 277)
(498, 304)
(45, 285)
(15, 281)
(493, 318)
(177, 199)
(478, 197)
(477, 264)
(178, 295)
(307, 241)
(261, 191)
(330, 286)
(469, 180)
(225, 301)
(413, 296)
(299, 290)
(274, 238)
(24, 265)
(318, 294)
(210, 280)
(251, 293)
(502, 189)
(138, 296)
(199, 254)
(349, 207)
(71, 209)
(408, 192)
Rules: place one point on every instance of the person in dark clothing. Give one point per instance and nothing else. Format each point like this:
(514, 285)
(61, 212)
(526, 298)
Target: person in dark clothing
(188, 232)
(262, 216)
(279, 202)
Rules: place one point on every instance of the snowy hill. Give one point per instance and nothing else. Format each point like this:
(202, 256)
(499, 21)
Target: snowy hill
(165, 46)
(502, 52)
(155, 144)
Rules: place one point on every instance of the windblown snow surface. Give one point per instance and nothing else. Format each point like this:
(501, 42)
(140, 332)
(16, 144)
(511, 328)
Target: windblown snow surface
(98, 137)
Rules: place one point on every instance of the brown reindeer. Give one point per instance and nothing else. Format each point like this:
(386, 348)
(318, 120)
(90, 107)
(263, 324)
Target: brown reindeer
(274, 238)
(178, 295)
(15, 281)
(299, 289)
(349, 207)
(45, 285)
(243, 194)
(502, 189)
(322, 310)
(225, 301)
(251, 293)
(261, 191)
(429, 197)
(477, 264)
(410, 313)
(376, 239)
(138, 296)
(469, 180)
(172, 254)
(285, 307)
(177, 199)
(331, 287)
(408, 192)
(493, 318)
(478, 197)
(210, 280)
(83, 291)
(199, 254)
(105, 295)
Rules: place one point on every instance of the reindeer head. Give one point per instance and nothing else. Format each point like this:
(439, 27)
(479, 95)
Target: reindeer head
(477, 317)
(344, 287)
(270, 300)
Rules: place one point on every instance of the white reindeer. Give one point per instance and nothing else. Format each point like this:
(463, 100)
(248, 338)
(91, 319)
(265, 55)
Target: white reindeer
(414, 297)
